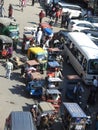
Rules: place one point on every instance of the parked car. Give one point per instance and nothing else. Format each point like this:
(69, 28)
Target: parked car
(93, 20)
(92, 34)
(78, 25)
(75, 10)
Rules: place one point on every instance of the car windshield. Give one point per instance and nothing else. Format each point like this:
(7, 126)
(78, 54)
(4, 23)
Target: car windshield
(37, 84)
(93, 66)
(93, 20)
(41, 57)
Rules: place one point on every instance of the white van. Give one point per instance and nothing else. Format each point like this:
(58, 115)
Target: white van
(82, 53)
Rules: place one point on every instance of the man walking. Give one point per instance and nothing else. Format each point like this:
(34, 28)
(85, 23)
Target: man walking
(41, 16)
(9, 68)
(39, 36)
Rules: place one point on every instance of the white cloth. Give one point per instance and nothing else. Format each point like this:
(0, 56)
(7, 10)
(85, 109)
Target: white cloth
(9, 66)
(51, 85)
(27, 45)
(39, 36)
(58, 74)
(30, 68)
(47, 43)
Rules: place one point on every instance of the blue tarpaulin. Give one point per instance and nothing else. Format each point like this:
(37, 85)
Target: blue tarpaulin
(48, 31)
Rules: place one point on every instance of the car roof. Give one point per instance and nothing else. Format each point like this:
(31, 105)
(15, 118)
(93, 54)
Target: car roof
(67, 4)
(80, 21)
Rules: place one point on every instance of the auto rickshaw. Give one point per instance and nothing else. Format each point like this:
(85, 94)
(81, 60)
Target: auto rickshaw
(5, 43)
(54, 82)
(52, 66)
(35, 88)
(32, 74)
(10, 28)
(53, 96)
(53, 53)
(33, 63)
(73, 117)
(72, 80)
(44, 111)
(39, 54)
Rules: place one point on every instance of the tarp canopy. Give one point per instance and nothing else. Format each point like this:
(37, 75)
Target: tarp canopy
(48, 31)
(75, 110)
(46, 107)
(6, 39)
(54, 64)
(53, 91)
(22, 121)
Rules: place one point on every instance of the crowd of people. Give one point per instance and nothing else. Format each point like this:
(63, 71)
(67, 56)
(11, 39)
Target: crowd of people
(39, 38)
(42, 120)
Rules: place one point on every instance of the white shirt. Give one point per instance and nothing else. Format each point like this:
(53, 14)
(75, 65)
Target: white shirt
(9, 66)
(39, 34)
(95, 83)
(27, 45)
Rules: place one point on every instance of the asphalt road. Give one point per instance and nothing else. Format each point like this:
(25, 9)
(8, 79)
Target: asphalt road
(12, 94)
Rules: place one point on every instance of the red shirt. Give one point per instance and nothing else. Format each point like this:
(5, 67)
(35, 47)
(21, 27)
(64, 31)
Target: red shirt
(41, 14)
